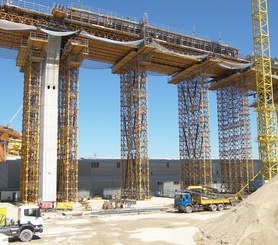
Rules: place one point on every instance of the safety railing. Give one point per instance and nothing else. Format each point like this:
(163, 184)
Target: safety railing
(28, 5)
(133, 25)
(180, 31)
(102, 11)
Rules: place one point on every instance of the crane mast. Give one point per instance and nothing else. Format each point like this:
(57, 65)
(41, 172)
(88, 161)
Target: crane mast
(266, 113)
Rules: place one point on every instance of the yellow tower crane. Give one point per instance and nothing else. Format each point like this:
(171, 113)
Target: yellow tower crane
(266, 113)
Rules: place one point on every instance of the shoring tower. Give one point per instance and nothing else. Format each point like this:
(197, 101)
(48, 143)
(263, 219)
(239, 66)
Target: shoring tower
(134, 132)
(194, 132)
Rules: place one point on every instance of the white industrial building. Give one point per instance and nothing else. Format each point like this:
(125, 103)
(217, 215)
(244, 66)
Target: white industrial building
(101, 177)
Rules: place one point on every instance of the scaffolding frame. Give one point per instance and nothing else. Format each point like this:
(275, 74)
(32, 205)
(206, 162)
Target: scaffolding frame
(134, 132)
(194, 131)
(30, 58)
(29, 170)
(234, 132)
(30, 133)
(67, 179)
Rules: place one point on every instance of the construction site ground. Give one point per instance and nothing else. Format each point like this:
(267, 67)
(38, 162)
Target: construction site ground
(160, 226)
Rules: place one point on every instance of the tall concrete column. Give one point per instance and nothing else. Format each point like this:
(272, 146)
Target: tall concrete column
(49, 121)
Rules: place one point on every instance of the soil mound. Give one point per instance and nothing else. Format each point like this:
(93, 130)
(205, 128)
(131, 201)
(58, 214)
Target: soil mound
(254, 221)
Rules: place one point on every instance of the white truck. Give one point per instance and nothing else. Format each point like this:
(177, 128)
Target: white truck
(29, 222)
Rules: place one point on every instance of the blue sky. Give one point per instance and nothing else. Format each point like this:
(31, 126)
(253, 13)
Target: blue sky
(99, 103)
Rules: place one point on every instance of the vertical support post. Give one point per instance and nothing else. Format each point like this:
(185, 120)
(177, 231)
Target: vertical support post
(68, 119)
(194, 132)
(235, 151)
(29, 174)
(67, 150)
(30, 58)
(134, 132)
(49, 121)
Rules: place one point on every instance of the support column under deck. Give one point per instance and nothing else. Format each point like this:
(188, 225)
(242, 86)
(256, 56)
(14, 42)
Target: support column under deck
(49, 121)
(29, 59)
(67, 148)
(134, 132)
(29, 169)
(73, 54)
(194, 132)
(235, 150)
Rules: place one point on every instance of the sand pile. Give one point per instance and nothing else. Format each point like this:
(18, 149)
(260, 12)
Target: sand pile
(254, 221)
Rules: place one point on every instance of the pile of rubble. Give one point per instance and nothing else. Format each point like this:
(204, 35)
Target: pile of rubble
(254, 221)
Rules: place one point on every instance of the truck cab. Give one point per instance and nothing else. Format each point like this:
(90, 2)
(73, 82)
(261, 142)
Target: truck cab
(183, 202)
(29, 214)
(182, 199)
(29, 223)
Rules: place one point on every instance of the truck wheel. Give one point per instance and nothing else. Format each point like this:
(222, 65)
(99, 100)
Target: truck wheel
(26, 235)
(220, 207)
(188, 209)
(213, 207)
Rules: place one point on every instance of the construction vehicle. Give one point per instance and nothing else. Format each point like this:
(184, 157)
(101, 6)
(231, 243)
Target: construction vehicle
(190, 201)
(29, 223)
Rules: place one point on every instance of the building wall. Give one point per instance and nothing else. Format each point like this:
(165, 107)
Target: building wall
(98, 177)
(4, 176)
(164, 174)
(9, 175)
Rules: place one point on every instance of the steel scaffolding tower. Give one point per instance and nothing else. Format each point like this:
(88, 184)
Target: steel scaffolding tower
(235, 150)
(134, 132)
(194, 132)
(74, 52)
(266, 112)
(30, 59)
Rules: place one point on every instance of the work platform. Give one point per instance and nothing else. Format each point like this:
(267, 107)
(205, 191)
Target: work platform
(116, 41)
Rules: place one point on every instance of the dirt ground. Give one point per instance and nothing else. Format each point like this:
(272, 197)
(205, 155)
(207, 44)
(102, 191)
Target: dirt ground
(157, 227)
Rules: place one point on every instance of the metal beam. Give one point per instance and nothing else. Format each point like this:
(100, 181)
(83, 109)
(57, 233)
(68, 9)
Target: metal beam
(188, 71)
(144, 52)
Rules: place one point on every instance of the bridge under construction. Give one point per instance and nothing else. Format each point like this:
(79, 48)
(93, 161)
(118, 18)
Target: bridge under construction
(53, 42)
